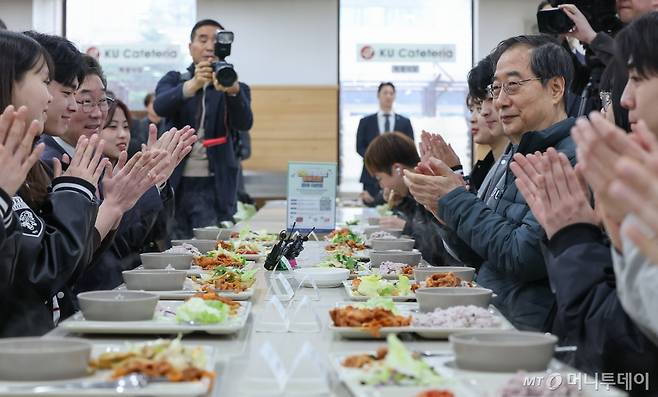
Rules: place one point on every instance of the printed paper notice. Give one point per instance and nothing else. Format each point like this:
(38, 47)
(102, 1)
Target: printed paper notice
(312, 196)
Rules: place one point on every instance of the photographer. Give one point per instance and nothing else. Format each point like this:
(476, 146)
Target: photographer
(601, 43)
(205, 183)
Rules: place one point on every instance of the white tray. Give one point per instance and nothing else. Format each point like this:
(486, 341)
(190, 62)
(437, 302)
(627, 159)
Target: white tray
(163, 389)
(348, 289)
(351, 378)
(409, 309)
(161, 324)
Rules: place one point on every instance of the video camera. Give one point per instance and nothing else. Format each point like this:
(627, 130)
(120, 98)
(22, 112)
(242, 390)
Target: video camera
(601, 15)
(224, 71)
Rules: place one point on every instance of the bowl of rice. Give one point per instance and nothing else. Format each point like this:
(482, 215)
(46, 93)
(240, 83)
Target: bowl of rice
(458, 317)
(411, 258)
(380, 232)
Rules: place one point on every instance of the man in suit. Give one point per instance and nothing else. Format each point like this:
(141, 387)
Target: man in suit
(370, 127)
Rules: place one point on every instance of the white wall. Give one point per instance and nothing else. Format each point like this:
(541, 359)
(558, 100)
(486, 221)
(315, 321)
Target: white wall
(280, 42)
(17, 14)
(308, 28)
(496, 20)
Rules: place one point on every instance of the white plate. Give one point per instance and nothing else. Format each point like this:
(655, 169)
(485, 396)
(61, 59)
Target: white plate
(409, 309)
(360, 298)
(163, 389)
(351, 378)
(163, 323)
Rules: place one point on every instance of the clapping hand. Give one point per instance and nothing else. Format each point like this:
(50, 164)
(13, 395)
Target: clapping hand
(433, 145)
(176, 144)
(431, 181)
(17, 155)
(553, 190)
(87, 163)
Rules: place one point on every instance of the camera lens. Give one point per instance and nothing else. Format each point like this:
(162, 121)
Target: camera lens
(226, 75)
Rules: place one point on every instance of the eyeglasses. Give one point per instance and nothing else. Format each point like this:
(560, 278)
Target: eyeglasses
(606, 100)
(87, 105)
(510, 88)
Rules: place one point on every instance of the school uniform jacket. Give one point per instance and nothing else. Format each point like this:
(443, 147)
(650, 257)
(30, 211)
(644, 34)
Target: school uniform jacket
(53, 243)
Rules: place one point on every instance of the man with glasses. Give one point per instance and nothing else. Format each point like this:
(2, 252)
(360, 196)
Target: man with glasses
(532, 76)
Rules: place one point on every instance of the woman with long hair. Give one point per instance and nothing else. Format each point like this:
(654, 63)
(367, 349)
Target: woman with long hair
(55, 226)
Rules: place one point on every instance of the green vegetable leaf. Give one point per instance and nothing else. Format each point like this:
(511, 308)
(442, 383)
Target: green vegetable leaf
(203, 312)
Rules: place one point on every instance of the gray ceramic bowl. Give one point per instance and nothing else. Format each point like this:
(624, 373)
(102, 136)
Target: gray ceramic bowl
(465, 273)
(161, 260)
(500, 351)
(202, 245)
(154, 280)
(371, 229)
(373, 221)
(225, 234)
(383, 244)
(206, 233)
(411, 258)
(445, 297)
(43, 359)
(117, 305)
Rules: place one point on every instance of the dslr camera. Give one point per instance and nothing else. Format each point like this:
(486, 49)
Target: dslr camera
(224, 71)
(601, 15)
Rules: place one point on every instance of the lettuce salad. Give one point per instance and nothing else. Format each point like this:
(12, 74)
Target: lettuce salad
(202, 311)
(232, 255)
(379, 302)
(374, 286)
(246, 275)
(401, 368)
(340, 259)
(345, 235)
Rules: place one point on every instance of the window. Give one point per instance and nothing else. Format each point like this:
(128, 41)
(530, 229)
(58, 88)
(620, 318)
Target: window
(425, 48)
(137, 41)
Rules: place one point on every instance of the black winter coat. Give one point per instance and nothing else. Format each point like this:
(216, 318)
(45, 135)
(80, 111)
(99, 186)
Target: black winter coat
(589, 313)
(508, 237)
(423, 227)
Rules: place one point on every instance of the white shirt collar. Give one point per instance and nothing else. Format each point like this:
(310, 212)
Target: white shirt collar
(70, 150)
(381, 113)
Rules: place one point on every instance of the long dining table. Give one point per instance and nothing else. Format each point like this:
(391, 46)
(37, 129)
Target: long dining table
(240, 358)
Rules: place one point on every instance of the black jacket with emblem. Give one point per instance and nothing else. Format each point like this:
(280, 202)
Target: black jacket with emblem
(9, 239)
(507, 236)
(53, 244)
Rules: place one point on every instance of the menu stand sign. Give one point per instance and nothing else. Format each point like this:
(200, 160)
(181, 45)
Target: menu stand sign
(311, 196)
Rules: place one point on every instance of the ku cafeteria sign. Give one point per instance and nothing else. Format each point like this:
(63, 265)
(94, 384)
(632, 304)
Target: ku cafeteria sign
(135, 54)
(435, 53)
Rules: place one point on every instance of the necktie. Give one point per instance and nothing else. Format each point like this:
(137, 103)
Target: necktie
(387, 123)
